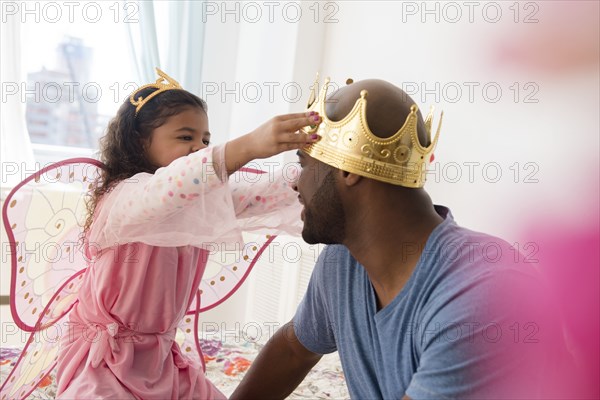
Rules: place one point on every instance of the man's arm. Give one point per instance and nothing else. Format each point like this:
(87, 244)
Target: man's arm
(279, 368)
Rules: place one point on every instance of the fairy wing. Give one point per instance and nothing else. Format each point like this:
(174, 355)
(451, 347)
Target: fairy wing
(220, 281)
(43, 217)
(226, 271)
(39, 356)
(187, 333)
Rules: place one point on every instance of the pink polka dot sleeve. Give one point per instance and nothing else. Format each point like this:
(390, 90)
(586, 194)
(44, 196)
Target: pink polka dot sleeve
(186, 203)
(267, 201)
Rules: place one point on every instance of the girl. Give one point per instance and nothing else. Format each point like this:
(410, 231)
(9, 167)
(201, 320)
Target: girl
(164, 196)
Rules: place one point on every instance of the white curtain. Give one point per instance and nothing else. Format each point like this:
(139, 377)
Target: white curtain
(143, 43)
(184, 42)
(15, 148)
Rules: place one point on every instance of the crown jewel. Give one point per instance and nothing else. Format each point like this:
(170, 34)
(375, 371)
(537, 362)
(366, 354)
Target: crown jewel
(350, 145)
(165, 82)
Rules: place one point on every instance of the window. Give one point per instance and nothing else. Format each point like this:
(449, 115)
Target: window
(77, 70)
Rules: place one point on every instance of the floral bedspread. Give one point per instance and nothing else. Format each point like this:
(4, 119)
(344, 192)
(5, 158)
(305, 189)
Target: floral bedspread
(226, 363)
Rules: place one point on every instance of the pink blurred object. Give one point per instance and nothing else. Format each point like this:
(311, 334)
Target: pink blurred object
(552, 36)
(570, 259)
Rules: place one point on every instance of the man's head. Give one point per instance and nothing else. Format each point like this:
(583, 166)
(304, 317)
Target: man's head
(327, 193)
(387, 109)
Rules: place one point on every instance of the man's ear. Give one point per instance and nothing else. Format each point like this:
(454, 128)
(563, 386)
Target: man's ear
(349, 178)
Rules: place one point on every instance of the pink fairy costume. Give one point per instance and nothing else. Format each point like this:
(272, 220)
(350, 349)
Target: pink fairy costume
(148, 248)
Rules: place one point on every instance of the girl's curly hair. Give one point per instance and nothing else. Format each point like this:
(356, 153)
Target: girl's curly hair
(123, 147)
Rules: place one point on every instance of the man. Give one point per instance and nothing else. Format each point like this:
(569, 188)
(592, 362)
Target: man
(416, 306)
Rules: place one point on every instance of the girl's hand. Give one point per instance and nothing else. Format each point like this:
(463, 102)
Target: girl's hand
(277, 135)
(282, 133)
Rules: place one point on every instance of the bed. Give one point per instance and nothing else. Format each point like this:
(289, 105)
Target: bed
(227, 359)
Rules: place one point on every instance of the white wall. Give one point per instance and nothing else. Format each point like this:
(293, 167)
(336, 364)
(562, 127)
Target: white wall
(558, 135)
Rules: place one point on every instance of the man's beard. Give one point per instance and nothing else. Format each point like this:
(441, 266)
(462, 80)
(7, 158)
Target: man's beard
(324, 220)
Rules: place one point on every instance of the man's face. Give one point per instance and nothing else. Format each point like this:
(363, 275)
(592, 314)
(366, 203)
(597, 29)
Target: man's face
(323, 214)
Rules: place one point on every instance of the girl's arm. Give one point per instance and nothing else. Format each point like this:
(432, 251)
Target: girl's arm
(275, 136)
(267, 201)
(188, 202)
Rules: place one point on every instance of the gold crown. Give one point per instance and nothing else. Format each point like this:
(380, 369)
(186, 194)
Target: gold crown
(350, 145)
(165, 82)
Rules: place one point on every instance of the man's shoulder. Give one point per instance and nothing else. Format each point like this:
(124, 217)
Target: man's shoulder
(468, 262)
(454, 232)
(449, 231)
(466, 248)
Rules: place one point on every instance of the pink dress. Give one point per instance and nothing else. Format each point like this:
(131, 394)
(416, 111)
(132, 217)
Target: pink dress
(147, 249)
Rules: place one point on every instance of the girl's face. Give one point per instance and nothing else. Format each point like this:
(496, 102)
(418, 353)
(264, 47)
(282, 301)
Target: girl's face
(181, 135)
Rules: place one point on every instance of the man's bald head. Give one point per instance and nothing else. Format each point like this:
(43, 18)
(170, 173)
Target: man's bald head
(388, 107)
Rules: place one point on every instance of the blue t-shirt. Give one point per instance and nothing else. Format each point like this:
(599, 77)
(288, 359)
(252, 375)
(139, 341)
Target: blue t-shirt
(463, 326)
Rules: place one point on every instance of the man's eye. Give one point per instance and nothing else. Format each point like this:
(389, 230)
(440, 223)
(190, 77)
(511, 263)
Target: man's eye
(186, 138)
(206, 142)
